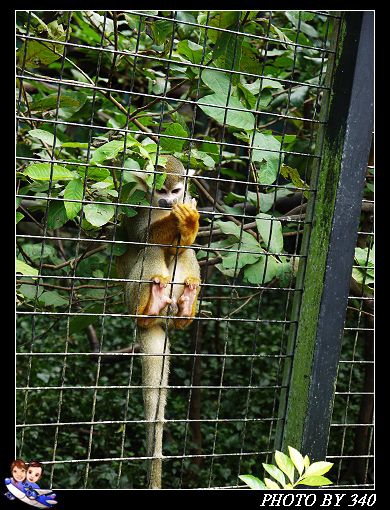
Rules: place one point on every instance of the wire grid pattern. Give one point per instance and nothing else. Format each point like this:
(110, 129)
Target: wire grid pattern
(351, 442)
(227, 367)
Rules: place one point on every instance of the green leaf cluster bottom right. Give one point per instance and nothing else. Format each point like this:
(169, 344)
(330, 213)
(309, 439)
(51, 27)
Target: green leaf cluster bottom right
(290, 471)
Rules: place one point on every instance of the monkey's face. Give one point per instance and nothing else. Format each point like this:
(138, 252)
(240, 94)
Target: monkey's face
(169, 195)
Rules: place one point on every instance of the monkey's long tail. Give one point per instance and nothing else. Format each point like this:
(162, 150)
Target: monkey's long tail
(155, 371)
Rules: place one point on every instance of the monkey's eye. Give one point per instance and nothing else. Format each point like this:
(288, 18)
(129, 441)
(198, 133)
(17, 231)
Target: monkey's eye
(176, 190)
(162, 191)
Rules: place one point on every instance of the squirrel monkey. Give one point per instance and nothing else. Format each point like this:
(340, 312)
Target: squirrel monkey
(167, 288)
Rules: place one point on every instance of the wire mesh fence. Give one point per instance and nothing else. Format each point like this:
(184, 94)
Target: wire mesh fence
(352, 431)
(103, 100)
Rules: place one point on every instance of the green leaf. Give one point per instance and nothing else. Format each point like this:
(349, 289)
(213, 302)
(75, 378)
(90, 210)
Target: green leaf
(227, 50)
(249, 61)
(51, 298)
(172, 144)
(271, 484)
(34, 251)
(132, 196)
(247, 95)
(132, 165)
(160, 31)
(44, 136)
(56, 215)
(298, 95)
(130, 212)
(242, 119)
(315, 481)
(38, 54)
(230, 228)
(363, 258)
(109, 150)
(49, 102)
(269, 161)
(101, 185)
(263, 83)
(284, 273)
(219, 19)
(203, 157)
(41, 172)
(232, 173)
(228, 272)
(268, 171)
(99, 21)
(285, 464)
(318, 468)
(160, 159)
(159, 85)
(75, 145)
(99, 214)
(217, 81)
(250, 96)
(237, 260)
(25, 269)
(287, 139)
(306, 461)
(19, 216)
(362, 275)
(156, 179)
(271, 232)
(265, 99)
(283, 62)
(232, 198)
(280, 35)
(93, 173)
(304, 16)
(127, 188)
(253, 482)
(275, 473)
(138, 197)
(68, 108)
(261, 273)
(30, 291)
(267, 201)
(55, 31)
(297, 459)
(74, 191)
(298, 19)
(190, 50)
(292, 173)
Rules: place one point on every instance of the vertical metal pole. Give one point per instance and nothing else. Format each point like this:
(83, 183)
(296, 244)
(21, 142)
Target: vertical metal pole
(334, 211)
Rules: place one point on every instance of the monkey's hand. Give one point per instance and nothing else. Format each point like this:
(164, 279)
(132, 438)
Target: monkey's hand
(187, 218)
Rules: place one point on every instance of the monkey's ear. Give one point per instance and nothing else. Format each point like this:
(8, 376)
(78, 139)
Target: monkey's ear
(139, 178)
(191, 172)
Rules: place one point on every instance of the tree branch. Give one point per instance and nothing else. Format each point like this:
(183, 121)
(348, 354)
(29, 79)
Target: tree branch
(75, 260)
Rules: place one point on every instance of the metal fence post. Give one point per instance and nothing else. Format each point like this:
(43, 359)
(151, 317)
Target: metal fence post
(334, 212)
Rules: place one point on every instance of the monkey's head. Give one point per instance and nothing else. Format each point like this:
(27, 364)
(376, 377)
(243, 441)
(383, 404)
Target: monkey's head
(172, 191)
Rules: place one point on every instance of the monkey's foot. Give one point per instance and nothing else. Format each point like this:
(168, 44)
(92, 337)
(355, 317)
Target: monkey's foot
(157, 301)
(186, 301)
